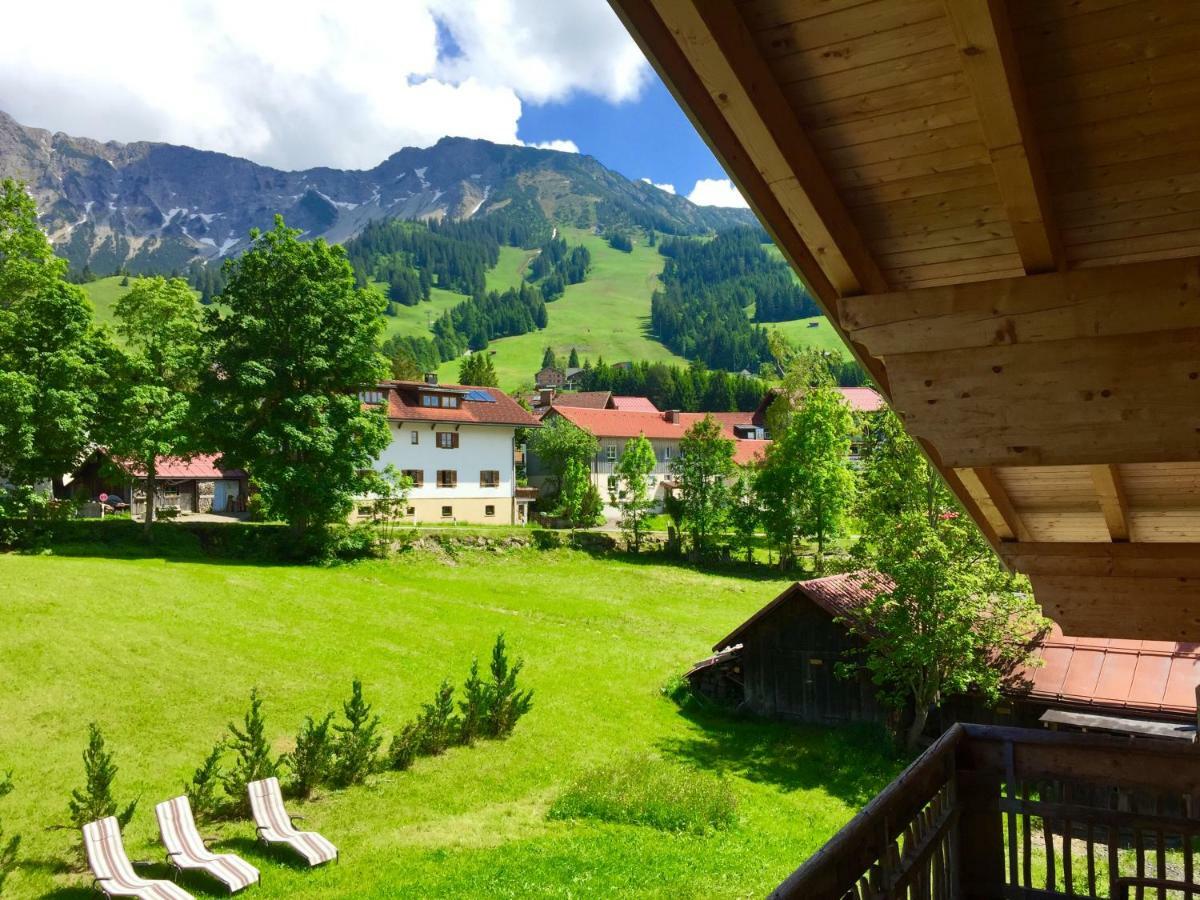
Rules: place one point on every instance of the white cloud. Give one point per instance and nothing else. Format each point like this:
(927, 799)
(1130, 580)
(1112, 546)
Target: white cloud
(669, 188)
(716, 192)
(563, 145)
(297, 83)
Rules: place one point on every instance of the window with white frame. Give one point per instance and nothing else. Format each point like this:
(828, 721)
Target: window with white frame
(610, 452)
(416, 436)
(371, 398)
(447, 440)
(489, 478)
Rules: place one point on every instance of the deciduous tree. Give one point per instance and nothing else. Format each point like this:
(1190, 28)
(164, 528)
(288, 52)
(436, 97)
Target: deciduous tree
(52, 359)
(945, 617)
(148, 404)
(559, 441)
(633, 491)
(702, 468)
(295, 343)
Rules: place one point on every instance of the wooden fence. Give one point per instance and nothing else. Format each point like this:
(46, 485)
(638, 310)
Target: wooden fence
(990, 812)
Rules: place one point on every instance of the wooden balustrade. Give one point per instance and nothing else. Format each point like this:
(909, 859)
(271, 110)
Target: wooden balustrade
(991, 812)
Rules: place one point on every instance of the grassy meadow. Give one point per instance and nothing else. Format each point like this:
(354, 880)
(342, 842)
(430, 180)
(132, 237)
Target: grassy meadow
(163, 652)
(607, 315)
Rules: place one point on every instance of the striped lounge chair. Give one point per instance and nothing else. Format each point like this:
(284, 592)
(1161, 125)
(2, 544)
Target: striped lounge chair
(186, 850)
(113, 873)
(274, 825)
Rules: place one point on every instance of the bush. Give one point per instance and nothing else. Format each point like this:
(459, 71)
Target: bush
(405, 746)
(95, 799)
(312, 760)
(357, 741)
(253, 759)
(256, 508)
(8, 849)
(203, 791)
(505, 704)
(653, 792)
(437, 723)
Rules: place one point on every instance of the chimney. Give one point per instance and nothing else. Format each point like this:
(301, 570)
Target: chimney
(545, 396)
(431, 378)
(673, 416)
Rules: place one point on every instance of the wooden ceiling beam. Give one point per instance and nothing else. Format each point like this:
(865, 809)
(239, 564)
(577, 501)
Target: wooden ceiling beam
(723, 53)
(992, 69)
(1113, 503)
(993, 500)
(1086, 367)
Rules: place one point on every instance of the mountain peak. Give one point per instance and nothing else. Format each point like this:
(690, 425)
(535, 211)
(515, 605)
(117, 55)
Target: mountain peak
(155, 207)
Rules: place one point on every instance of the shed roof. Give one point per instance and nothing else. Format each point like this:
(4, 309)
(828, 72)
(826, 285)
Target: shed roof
(1141, 676)
(583, 399)
(203, 467)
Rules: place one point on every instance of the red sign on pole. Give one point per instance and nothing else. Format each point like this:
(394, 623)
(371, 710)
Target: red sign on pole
(104, 498)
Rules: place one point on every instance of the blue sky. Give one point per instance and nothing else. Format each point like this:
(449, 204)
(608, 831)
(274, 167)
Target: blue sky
(649, 137)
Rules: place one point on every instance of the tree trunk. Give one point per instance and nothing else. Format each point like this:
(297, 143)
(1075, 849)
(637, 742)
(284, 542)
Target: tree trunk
(920, 717)
(151, 491)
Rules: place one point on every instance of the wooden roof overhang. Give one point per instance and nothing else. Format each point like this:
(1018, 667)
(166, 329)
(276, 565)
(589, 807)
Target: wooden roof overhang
(998, 206)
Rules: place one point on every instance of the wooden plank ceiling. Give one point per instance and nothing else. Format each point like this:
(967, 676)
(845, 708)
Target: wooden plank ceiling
(998, 205)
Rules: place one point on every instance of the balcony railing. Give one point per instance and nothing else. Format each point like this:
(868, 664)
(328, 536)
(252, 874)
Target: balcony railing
(992, 812)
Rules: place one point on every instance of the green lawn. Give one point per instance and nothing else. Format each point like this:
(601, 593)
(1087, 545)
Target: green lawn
(607, 315)
(104, 294)
(814, 332)
(163, 653)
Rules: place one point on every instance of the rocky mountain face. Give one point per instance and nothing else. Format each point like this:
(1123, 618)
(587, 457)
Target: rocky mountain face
(156, 207)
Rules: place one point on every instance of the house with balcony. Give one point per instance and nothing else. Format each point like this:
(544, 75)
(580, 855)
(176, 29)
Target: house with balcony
(457, 444)
(612, 428)
(991, 200)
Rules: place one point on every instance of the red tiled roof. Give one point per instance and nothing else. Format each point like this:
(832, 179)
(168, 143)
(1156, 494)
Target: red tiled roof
(616, 423)
(633, 404)
(1147, 677)
(201, 467)
(404, 404)
(583, 399)
(746, 452)
(862, 399)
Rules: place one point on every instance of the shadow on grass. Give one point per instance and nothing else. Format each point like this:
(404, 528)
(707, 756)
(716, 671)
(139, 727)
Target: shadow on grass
(734, 568)
(850, 762)
(259, 854)
(195, 883)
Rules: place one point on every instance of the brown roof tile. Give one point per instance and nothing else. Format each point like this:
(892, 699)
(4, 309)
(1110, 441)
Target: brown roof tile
(404, 404)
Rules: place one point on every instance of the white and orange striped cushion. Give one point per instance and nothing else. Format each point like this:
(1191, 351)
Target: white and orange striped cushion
(275, 826)
(186, 850)
(112, 869)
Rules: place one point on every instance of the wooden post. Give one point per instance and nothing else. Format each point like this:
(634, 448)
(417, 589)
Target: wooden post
(980, 832)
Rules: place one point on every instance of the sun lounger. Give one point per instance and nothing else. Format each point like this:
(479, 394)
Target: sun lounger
(274, 825)
(186, 850)
(113, 873)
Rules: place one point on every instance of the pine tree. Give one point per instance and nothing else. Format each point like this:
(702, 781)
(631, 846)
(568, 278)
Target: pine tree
(573, 359)
(549, 360)
(506, 704)
(438, 723)
(473, 706)
(405, 746)
(95, 800)
(357, 741)
(253, 761)
(312, 760)
(202, 790)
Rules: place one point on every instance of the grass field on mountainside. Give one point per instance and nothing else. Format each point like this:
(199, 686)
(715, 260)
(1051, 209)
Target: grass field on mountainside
(162, 653)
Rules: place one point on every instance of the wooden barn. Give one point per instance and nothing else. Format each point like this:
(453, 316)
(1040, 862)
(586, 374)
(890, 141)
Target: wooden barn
(782, 662)
(196, 485)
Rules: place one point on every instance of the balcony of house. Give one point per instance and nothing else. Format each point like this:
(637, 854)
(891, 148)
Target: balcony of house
(995, 812)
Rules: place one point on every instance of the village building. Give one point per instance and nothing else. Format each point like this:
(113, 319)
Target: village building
(612, 428)
(783, 663)
(457, 443)
(541, 401)
(199, 484)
